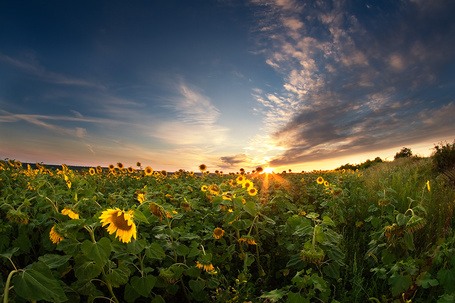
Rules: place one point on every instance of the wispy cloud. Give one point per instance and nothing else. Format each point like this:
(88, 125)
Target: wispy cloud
(42, 74)
(353, 83)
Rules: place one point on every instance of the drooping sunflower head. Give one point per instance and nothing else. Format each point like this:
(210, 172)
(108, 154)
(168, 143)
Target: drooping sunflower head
(68, 212)
(155, 209)
(120, 222)
(202, 167)
(218, 233)
(54, 236)
(141, 197)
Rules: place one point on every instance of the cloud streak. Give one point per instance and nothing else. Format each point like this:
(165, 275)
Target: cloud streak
(47, 76)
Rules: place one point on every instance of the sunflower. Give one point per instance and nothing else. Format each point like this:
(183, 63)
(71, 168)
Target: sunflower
(252, 191)
(111, 167)
(121, 222)
(68, 212)
(202, 167)
(247, 184)
(164, 173)
(208, 267)
(214, 189)
(320, 180)
(68, 181)
(247, 239)
(99, 169)
(218, 233)
(240, 179)
(428, 185)
(191, 173)
(148, 171)
(91, 171)
(54, 236)
(326, 183)
(204, 188)
(141, 197)
(130, 170)
(120, 165)
(156, 210)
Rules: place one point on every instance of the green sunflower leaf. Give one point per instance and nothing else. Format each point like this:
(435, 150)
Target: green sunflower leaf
(98, 251)
(38, 283)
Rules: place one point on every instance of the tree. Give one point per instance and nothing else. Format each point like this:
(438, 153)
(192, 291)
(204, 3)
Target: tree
(403, 153)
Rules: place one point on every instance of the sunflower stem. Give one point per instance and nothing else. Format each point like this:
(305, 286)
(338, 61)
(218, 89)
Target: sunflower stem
(8, 281)
(109, 287)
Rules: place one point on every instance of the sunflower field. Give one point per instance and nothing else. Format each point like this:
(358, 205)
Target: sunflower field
(384, 234)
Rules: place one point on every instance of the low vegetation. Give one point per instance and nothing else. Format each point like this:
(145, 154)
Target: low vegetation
(382, 233)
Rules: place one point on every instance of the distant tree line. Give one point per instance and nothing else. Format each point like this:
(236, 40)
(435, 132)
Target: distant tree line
(364, 165)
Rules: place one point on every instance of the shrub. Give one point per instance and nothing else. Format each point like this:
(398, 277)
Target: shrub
(403, 153)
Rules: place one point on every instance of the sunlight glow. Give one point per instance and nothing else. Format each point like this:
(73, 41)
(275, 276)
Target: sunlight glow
(268, 170)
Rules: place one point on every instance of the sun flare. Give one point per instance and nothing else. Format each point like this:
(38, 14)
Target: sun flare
(268, 170)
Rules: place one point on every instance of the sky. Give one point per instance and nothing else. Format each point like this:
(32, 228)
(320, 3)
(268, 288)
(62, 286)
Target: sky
(172, 84)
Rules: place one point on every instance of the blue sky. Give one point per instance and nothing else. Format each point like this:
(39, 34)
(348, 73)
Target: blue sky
(298, 85)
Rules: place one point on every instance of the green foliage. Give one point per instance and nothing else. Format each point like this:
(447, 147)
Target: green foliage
(403, 153)
(444, 160)
(383, 234)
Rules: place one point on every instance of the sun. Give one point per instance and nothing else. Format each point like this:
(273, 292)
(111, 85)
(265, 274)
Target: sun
(268, 170)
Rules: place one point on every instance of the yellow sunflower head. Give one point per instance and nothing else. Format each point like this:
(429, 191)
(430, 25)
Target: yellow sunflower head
(240, 179)
(202, 167)
(141, 197)
(252, 191)
(148, 171)
(247, 184)
(214, 189)
(130, 170)
(99, 169)
(204, 187)
(111, 167)
(120, 222)
(320, 180)
(120, 165)
(91, 171)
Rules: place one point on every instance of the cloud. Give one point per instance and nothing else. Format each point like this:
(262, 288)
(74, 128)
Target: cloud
(229, 162)
(42, 74)
(192, 107)
(353, 83)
